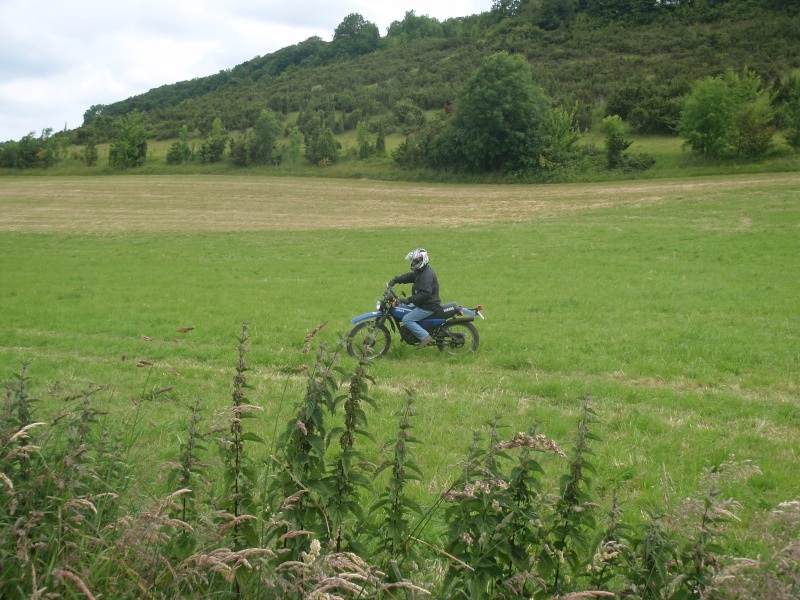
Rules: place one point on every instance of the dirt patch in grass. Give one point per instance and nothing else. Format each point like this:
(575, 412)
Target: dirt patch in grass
(209, 203)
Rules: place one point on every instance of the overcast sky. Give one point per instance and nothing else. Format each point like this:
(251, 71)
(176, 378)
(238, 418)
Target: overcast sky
(59, 57)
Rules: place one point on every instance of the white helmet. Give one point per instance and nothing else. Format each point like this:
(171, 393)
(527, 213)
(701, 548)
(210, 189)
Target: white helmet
(419, 259)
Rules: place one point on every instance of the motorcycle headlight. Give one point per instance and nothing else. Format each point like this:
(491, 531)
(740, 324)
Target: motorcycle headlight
(378, 305)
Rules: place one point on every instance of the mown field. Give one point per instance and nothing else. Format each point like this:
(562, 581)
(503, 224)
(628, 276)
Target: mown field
(673, 304)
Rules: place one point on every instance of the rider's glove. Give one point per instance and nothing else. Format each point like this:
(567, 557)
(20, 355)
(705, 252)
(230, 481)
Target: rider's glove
(402, 300)
(390, 283)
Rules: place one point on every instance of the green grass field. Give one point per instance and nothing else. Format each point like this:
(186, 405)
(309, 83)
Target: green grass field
(672, 303)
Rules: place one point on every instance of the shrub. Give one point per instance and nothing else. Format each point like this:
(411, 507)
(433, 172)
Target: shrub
(726, 114)
(129, 148)
(180, 152)
(615, 141)
(212, 149)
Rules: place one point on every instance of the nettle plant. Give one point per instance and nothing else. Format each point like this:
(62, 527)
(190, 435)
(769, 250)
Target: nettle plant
(312, 516)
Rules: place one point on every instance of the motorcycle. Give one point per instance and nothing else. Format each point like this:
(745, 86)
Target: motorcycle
(451, 328)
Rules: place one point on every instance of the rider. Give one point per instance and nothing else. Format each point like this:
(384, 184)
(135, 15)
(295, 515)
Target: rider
(424, 294)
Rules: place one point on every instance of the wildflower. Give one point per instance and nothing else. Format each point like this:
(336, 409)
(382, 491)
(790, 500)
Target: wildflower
(313, 554)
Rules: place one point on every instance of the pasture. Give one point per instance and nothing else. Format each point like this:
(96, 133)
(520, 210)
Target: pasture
(673, 304)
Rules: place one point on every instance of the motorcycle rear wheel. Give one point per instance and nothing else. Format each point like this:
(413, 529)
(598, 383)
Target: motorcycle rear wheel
(458, 339)
(368, 341)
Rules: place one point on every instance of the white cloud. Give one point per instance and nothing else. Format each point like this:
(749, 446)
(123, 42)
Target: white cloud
(59, 57)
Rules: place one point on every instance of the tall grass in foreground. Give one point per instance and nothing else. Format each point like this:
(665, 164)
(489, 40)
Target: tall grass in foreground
(316, 518)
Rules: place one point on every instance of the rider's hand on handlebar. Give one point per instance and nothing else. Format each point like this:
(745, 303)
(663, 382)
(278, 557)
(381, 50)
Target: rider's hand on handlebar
(390, 283)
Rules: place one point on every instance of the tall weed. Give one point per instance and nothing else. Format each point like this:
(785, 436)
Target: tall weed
(317, 518)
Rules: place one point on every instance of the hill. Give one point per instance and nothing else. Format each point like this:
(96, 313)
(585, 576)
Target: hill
(570, 66)
(585, 57)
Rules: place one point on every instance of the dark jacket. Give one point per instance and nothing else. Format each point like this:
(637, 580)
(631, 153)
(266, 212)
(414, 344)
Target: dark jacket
(425, 288)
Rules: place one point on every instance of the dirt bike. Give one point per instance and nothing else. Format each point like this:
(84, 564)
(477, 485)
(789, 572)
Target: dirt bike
(451, 328)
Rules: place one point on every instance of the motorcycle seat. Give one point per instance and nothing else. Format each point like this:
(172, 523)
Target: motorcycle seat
(446, 311)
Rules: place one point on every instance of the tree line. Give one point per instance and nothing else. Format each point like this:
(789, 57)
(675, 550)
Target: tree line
(643, 61)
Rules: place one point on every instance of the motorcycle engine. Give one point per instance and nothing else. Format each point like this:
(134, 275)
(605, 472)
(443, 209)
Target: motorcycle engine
(408, 337)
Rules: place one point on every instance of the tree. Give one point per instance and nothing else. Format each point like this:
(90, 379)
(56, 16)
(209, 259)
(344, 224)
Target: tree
(180, 152)
(497, 119)
(355, 35)
(91, 113)
(408, 116)
(90, 153)
(721, 115)
(241, 152)
(52, 148)
(506, 8)
(8, 154)
(294, 145)
(129, 148)
(560, 137)
(646, 106)
(639, 11)
(321, 145)
(380, 143)
(787, 105)
(213, 147)
(413, 27)
(26, 154)
(365, 147)
(265, 137)
(552, 13)
(615, 141)
(753, 130)
(324, 148)
(707, 118)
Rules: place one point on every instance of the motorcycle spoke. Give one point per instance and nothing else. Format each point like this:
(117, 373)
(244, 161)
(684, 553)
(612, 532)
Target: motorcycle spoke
(458, 339)
(368, 341)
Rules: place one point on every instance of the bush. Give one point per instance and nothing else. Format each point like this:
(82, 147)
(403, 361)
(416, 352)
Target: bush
(638, 161)
(129, 148)
(408, 116)
(180, 152)
(212, 149)
(321, 146)
(615, 141)
(726, 114)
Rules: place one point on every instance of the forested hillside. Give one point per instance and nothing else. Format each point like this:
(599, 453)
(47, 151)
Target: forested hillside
(636, 59)
(585, 56)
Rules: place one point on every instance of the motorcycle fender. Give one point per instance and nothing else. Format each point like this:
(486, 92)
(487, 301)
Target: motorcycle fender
(365, 317)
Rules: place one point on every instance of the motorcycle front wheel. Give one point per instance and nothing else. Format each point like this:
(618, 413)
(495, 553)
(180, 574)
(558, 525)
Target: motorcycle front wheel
(458, 339)
(368, 341)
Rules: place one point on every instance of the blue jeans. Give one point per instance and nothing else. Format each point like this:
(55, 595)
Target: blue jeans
(410, 320)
